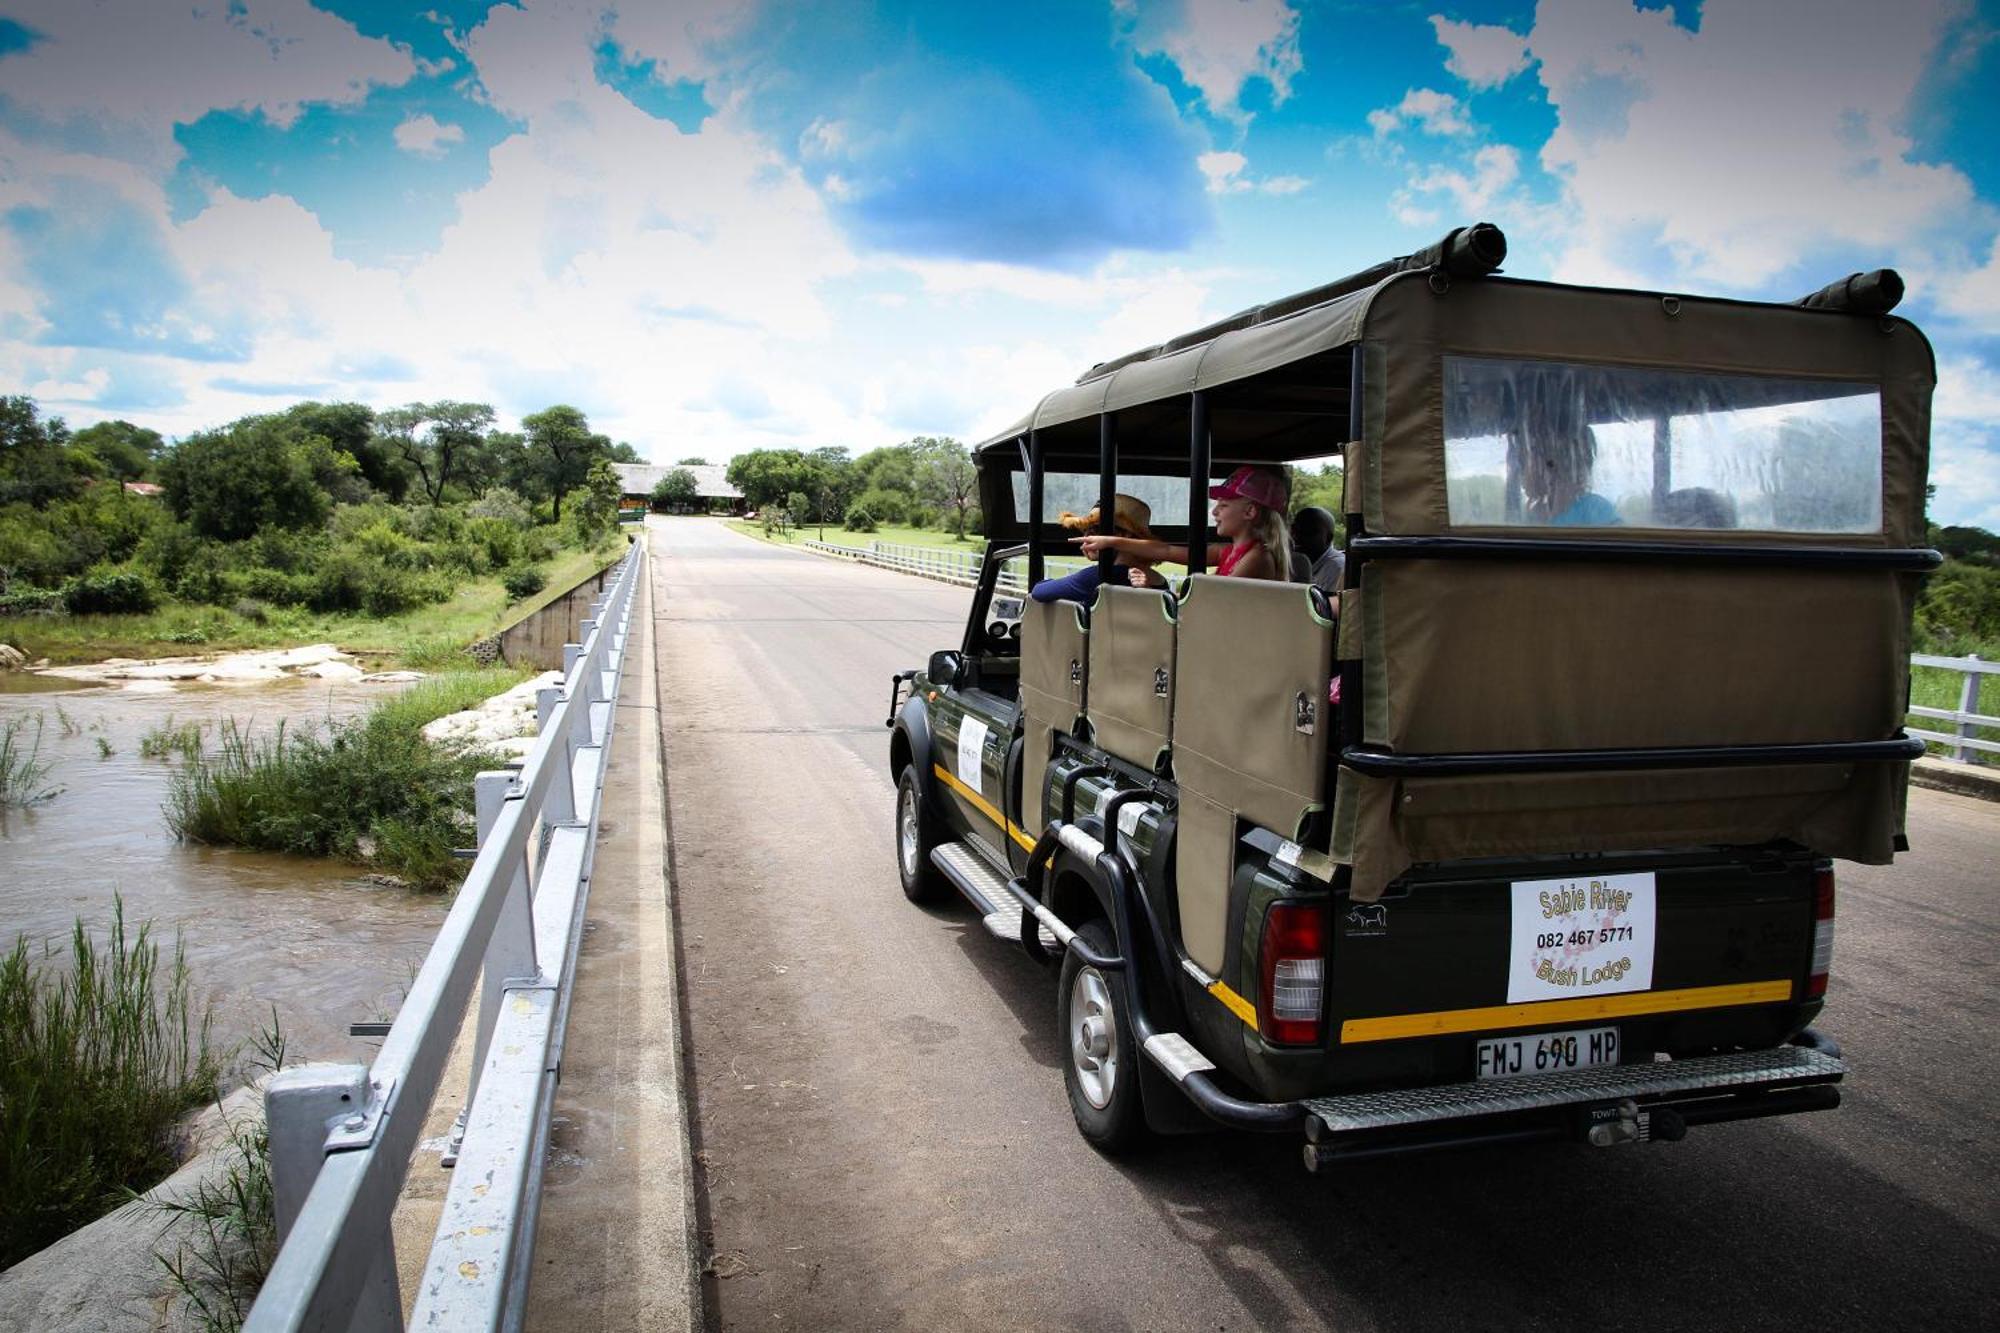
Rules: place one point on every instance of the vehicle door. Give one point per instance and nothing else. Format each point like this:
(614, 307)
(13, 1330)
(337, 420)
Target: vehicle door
(971, 730)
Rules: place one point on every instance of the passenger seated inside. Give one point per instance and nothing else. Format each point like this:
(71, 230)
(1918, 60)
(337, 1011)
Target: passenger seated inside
(1696, 507)
(1249, 515)
(1553, 451)
(1312, 529)
(1132, 518)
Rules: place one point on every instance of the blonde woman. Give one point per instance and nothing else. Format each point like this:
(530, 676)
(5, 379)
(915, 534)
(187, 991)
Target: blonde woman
(1249, 515)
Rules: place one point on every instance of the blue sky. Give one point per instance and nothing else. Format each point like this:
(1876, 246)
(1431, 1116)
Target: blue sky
(718, 225)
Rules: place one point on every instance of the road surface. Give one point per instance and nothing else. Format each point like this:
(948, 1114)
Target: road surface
(883, 1139)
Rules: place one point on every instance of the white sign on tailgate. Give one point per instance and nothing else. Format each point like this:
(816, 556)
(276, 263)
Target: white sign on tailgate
(1574, 938)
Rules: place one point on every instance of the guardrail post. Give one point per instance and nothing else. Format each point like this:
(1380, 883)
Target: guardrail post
(510, 949)
(301, 1106)
(559, 805)
(1968, 702)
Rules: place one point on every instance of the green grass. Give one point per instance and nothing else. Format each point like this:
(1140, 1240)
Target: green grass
(423, 637)
(23, 771)
(171, 738)
(369, 789)
(839, 536)
(1937, 687)
(101, 1053)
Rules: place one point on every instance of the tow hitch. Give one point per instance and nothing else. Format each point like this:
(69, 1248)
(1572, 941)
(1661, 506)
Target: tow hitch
(1624, 1122)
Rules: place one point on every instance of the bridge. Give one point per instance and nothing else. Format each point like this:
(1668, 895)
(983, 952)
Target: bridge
(727, 1077)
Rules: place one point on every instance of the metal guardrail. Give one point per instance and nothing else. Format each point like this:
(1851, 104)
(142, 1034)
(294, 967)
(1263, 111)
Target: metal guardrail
(1966, 716)
(342, 1135)
(934, 562)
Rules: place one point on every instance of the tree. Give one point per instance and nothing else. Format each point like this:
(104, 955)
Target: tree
(561, 436)
(350, 427)
(455, 432)
(946, 476)
(231, 483)
(126, 451)
(622, 452)
(35, 467)
(596, 501)
(677, 491)
(694, 462)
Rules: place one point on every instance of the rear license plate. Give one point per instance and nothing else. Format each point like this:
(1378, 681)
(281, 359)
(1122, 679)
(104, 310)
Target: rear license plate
(1547, 1052)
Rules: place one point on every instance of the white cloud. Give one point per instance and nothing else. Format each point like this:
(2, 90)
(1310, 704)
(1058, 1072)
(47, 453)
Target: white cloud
(176, 63)
(1970, 294)
(1720, 156)
(1225, 174)
(1429, 110)
(1484, 55)
(426, 137)
(1221, 45)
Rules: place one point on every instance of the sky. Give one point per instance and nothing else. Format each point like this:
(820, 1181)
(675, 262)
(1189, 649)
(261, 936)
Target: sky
(717, 225)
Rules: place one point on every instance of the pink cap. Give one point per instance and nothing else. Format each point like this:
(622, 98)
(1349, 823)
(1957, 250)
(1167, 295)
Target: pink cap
(1260, 485)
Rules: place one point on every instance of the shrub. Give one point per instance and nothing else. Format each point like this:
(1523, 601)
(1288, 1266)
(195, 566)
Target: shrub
(108, 591)
(501, 505)
(100, 1055)
(21, 600)
(923, 516)
(523, 581)
(252, 610)
(859, 519)
(892, 507)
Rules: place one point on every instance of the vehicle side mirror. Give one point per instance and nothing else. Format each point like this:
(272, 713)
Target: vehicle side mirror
(943, 669)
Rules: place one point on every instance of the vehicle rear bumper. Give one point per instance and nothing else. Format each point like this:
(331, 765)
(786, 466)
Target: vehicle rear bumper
(1612, 1104)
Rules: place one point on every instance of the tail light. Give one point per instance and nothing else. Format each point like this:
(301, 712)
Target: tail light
(1292, 964)
(1822, 956)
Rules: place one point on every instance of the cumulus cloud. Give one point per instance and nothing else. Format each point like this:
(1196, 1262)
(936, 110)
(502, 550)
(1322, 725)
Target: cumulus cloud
(1473, 193)
(1429, 110)
(1965, 443)
(1220, 46)
(1224, 171)
(426, 136)
(176, 63)
(1721, 155)
(1484, 55)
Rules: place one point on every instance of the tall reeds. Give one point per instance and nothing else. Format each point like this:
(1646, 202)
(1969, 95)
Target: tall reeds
(101, 1052)
(23, 771)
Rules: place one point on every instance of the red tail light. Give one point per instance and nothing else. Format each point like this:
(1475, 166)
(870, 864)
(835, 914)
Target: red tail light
(1822, 954)
(1292, 965)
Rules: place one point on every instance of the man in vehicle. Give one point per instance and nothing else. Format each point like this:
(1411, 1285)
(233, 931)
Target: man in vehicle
(1312, 532)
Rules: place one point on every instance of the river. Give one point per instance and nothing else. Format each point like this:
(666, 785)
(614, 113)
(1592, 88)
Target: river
(316, 938)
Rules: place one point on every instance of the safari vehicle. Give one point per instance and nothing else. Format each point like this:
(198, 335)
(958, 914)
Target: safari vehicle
(1622, 658)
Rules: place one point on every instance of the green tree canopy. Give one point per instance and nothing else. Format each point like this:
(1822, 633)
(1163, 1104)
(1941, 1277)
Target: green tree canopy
(35, 467)
(945, 475)
(694, 462)
(677, 490)
(564, 447)
(126, 451)
(437, 439)
(231, 483)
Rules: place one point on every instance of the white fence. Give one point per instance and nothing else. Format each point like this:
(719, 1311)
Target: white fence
(342, 1135)
(1960, 740)
(945, 564)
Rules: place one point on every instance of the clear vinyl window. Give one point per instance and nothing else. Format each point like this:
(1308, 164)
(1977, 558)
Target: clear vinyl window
(1552, 444)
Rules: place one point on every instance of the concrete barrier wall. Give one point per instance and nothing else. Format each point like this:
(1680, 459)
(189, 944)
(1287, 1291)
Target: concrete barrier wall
(536, 640)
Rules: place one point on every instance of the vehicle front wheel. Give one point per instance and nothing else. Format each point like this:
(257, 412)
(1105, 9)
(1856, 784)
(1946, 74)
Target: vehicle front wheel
(916, 835)
(1102, 1068)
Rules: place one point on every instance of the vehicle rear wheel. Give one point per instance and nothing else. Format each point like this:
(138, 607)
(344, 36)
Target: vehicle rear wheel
(1102, 1070)
(916, 835)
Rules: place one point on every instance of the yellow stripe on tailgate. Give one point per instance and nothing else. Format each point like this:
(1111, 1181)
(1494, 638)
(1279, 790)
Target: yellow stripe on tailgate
(1446, 1021)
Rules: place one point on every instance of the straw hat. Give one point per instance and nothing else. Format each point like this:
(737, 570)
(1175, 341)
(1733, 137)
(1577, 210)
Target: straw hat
(1129, 516)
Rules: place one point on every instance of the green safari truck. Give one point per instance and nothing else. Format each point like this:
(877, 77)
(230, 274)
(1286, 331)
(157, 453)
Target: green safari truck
(1527, 830)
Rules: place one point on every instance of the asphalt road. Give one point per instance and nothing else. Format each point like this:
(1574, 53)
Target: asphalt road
(883, 1139)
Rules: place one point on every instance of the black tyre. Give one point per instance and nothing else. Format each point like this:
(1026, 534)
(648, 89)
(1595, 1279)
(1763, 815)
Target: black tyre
(916, 834)
(1101, 1068)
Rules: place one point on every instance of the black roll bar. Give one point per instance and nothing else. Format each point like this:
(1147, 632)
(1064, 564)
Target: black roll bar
(1381, 764)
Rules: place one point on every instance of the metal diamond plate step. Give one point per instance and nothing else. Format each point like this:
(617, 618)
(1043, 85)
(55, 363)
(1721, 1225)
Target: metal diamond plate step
(1534, 1092)
(986, 889)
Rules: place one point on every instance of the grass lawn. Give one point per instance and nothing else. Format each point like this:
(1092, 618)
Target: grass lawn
(888, 535)
(430, 636)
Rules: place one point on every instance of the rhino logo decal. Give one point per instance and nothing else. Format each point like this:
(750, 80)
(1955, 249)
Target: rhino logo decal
(1367, 917)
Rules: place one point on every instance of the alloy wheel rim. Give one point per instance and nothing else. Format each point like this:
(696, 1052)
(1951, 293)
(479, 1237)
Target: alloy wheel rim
(1093, 1037)
(906, 834)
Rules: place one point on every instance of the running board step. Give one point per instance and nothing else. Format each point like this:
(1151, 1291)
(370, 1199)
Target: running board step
(986, 889)
(1738, 1071)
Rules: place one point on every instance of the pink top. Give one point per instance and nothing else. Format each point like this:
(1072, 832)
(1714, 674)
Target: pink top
(1233, 557)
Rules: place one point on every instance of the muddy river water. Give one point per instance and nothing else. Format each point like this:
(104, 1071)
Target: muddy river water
(315, 938)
